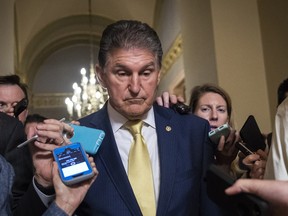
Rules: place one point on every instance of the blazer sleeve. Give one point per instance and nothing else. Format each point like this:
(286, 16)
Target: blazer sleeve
(30, 204)
(54, 210)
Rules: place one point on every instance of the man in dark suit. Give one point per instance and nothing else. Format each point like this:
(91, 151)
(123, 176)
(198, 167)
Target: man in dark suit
(12, 134)
(179, 151)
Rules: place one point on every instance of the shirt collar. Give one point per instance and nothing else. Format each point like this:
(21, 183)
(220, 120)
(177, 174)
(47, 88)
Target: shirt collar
(117, 120)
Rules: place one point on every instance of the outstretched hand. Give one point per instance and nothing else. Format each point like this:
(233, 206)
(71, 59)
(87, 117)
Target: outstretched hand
(68, 198)
(50, 136)
(273, 191)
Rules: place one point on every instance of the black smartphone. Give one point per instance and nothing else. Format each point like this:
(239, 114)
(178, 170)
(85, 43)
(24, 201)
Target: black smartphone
(241, 147)
(242, 204)
(20, 107)
(251, 135)
(73, 163)
(181, 108)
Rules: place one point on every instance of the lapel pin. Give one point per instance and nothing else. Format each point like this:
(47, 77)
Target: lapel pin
(168, 128)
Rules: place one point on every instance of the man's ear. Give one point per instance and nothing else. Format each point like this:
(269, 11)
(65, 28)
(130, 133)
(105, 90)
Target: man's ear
(158, 78)
(100, 75)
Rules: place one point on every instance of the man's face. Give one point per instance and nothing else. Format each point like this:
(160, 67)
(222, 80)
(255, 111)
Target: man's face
(10, 95)
(131, 78)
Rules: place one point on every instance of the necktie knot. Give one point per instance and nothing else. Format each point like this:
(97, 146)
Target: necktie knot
(134, 127)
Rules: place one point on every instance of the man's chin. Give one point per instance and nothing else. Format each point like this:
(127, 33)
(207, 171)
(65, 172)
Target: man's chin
(136, 111)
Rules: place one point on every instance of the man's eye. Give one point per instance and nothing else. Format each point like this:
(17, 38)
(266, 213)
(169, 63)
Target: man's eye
(146, 73)
(121, 73)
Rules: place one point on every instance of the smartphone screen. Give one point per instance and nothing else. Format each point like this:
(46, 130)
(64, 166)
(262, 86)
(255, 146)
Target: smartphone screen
(73, 163)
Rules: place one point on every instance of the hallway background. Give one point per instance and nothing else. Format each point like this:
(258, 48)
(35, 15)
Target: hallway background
(240, 45)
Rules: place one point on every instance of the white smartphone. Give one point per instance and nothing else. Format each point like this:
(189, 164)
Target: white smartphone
(215, 135)
(73, 163)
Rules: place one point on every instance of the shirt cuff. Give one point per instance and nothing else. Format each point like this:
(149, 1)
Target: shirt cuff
(46, 199)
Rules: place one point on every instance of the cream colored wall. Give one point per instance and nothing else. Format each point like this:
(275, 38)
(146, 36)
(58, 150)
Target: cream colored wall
(274, 22)
(198, 44)
(6, 37)
(168, 27)
(34, 15)
(240, 60)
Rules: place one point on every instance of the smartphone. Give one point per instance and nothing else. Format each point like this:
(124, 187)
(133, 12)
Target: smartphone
(241, 147)
(20, 107)
(242, 204)
(90, 138)
(73, 163)
(215, 135)
(251, 135)
(181, 108)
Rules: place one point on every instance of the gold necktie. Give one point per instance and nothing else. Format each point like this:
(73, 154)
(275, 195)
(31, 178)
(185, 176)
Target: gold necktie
(140, 171)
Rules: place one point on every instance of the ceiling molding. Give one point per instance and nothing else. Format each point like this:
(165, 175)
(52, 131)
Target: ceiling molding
(55, 100)
(62, 33)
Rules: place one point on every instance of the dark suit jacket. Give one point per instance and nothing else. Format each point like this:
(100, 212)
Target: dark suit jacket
(6, 182)
(11, 134)
(184, 153)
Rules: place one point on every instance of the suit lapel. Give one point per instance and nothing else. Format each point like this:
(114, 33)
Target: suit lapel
(110, 157)
(112, 162)
(167, 154)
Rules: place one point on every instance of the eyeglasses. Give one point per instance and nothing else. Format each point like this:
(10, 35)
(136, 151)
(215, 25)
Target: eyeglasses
(18, 107)
(5, 107)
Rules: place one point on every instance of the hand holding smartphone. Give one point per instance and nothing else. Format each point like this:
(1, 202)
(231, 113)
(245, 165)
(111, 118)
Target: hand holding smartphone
(73, 164)
(215, 135)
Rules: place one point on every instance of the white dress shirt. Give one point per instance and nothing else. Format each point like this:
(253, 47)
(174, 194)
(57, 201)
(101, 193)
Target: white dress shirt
(277, 164)
(124, 140)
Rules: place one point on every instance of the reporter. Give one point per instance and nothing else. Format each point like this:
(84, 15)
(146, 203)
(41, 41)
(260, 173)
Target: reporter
(67, 198)
(273, 191)
(214, 104)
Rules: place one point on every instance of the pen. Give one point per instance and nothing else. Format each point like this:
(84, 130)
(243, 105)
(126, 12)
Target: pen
(62, 120)
(32, 139)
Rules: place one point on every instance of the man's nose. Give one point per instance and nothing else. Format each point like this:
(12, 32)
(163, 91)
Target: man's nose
(134, 84)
